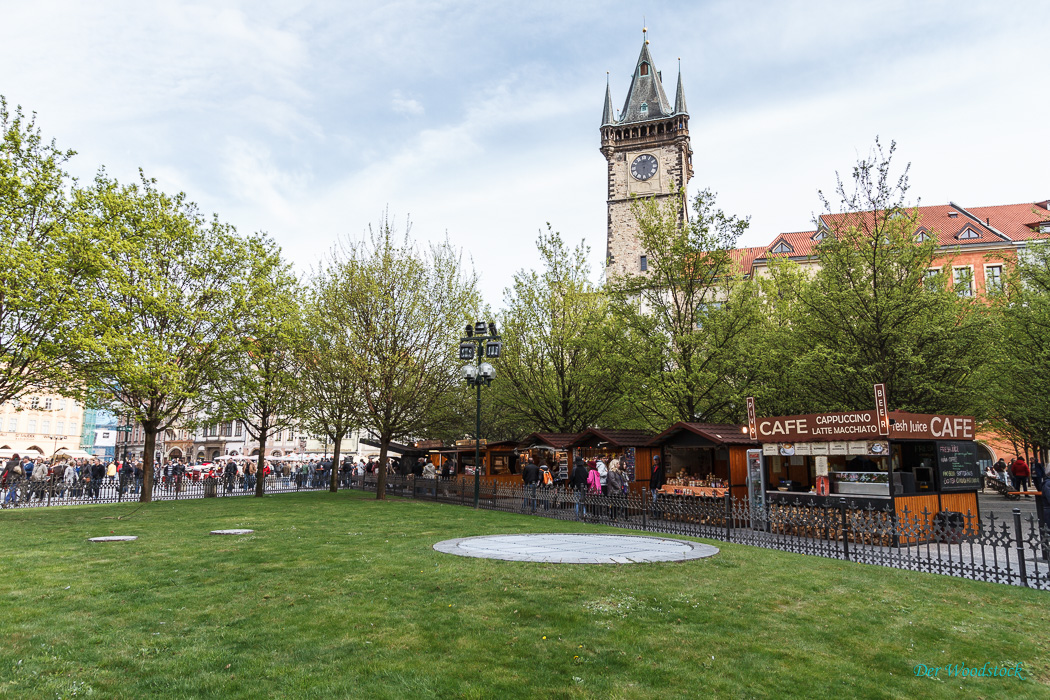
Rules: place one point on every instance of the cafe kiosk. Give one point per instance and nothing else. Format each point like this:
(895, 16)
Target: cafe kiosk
(916, 463)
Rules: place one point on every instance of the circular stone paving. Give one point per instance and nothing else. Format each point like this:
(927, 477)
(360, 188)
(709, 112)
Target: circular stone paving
(113, 538)
(231, 532)
(576, 549)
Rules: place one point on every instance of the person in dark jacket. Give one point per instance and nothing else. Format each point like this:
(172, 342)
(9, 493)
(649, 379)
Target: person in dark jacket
(578, 482)
(1038, 473)
(658, 478)
(530, 475)
(98, 472)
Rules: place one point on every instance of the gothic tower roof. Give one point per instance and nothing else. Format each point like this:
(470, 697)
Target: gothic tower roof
(679, 95)
(646, 99)
(607, 113)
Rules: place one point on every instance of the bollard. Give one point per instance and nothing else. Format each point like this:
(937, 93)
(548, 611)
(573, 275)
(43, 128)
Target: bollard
(1021, 564)
(645, 509)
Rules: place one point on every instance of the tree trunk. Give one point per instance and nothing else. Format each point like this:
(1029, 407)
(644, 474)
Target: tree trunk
(147, 463)
(384, 445)
(260, 486)
(333, 485)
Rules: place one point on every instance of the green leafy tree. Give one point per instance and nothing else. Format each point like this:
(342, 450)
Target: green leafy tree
(259, 383)
(328, 357)
(688, 319)
(42, 275)
(555, 374)
(871, 315)
(400, 309)
(1019, 370)
(162, 310)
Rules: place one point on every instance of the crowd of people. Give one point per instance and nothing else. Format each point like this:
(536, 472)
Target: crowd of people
(26, 478)
(1018, 474)
(593, 477)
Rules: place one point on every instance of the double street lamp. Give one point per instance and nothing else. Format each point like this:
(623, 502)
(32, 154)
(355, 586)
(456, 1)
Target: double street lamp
(482, 338)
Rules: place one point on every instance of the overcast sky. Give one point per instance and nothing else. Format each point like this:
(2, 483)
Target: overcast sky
(480, 119)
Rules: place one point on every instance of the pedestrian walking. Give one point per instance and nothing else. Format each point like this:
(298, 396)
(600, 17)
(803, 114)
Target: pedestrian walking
(530, 475)
(1021, 475)
(1038, 472)
(11, 479)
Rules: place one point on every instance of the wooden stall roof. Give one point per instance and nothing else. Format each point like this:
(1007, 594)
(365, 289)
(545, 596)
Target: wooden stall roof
(502, 445)
(615, 438)
(718, 433)
(558, 441)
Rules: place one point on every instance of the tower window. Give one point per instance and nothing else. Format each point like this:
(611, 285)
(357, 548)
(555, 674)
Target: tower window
(644, 263)
(644, 109)
(645, 69)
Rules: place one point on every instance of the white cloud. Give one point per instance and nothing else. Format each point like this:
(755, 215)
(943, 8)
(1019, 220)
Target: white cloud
(404, 105)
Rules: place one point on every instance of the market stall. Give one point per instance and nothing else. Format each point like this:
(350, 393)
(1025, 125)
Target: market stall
(552, 449)
(631, 447)
(908, 463)
(701, 459)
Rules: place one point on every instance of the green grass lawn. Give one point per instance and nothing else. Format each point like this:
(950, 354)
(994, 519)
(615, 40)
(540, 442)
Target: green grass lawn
(342, 596)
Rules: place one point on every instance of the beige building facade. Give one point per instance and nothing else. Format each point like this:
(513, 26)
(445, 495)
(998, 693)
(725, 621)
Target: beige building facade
(40, 425)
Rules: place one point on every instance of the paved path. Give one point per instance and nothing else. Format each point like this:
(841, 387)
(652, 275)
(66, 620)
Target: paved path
(577, 549)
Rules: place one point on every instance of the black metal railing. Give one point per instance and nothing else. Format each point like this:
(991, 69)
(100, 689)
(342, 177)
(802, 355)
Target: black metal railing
(1012, 551)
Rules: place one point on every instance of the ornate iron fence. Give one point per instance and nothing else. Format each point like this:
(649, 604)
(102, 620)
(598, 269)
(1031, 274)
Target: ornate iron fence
(1013, 552)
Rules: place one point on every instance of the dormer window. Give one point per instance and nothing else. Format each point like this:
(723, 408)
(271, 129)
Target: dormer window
(644, 109)
(922, 236)
(820, 235)
(783, 247)
(644, 70)
(967, 233)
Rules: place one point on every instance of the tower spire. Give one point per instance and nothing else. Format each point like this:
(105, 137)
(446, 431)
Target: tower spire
(646, 99)
(607, 113)
(679, 96)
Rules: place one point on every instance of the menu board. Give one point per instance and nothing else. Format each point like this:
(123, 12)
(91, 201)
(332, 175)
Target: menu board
(958, 469)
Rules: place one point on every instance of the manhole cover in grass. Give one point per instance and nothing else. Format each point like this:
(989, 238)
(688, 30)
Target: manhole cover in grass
(114, 538)
(577, 549)
(232, 532)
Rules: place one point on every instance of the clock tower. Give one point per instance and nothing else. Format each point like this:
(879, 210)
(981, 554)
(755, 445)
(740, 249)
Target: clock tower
(648, 154)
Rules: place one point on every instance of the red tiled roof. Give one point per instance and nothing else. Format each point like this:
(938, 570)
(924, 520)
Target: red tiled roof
(744, 258)
(801, 243)
(1019, 222)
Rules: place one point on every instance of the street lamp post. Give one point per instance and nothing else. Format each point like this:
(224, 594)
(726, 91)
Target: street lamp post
(483, 337)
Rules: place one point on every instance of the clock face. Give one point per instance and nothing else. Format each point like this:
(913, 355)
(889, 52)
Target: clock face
(643, 167)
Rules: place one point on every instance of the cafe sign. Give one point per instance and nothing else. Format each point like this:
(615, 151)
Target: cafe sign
(853, 426)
